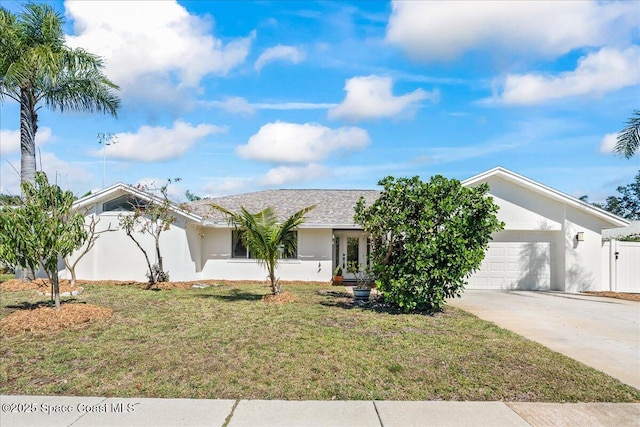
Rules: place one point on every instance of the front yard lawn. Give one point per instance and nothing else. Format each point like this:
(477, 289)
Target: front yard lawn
(223, 342)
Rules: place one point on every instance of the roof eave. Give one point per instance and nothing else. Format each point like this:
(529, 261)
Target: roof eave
(612, 219)
(96, 197)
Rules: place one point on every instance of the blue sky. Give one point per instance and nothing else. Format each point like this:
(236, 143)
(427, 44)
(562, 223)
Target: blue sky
(236, 96)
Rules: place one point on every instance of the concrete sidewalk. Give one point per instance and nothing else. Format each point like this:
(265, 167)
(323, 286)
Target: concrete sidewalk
(97, 411)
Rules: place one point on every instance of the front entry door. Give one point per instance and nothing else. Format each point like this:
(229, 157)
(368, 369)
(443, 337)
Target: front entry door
(349, 246)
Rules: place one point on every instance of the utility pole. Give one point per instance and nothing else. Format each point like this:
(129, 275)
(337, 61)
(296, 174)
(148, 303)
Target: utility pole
(105, 138)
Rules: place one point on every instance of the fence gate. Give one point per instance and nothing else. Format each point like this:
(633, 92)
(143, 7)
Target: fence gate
(622, 263)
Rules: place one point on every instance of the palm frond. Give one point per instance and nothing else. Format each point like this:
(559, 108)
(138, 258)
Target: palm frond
(266, 238)
(629, 138)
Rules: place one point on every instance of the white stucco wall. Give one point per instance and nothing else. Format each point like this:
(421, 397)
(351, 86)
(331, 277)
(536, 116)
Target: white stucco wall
(116, 257)
(575, 266)
(583, 269)
(524, 210)
(313, 263)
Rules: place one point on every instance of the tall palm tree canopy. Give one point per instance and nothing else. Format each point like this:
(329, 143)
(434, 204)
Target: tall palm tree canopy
(267, 239)
(37, 68)
(629, 138)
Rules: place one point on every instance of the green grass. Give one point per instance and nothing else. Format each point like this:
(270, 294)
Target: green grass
(223, 342)
(5, 277)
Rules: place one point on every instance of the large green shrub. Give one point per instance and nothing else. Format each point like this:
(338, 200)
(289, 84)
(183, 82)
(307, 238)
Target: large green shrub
(427, 237)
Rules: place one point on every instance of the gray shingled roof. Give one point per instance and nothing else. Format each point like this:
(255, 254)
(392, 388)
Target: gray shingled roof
(334, 208)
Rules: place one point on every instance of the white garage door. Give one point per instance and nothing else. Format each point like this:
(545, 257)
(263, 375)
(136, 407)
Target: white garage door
(514, 265)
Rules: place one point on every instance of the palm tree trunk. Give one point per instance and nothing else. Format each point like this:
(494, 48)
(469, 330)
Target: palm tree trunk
(275, 286)
(28, 129)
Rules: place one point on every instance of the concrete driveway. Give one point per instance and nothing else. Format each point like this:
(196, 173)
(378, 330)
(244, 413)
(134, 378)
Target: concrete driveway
(603, 333)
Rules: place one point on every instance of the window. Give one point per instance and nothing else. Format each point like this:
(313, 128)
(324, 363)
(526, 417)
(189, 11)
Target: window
(293, 238)
(239, 250)
(124, 204)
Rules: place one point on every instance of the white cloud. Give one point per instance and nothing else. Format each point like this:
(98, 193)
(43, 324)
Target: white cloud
(294, 106)
(371, 97)
(274, 177)
(234, 104)
(153, 144)
(445, 30)
(156, 41)
(282, 142)
(608, 143)
(286, 174)
(279, 53)
(597, 73)
(239, 105)
(227, 186)
(10, 139)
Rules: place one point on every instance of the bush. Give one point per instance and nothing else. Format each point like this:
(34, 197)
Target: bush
(427, 238)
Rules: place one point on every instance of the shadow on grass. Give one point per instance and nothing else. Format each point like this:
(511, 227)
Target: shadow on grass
(347, 302)
(25, 305)
(235, 295)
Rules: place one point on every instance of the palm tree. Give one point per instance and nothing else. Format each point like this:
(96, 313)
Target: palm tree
(266, 238)
(629, 137)
(37, 68)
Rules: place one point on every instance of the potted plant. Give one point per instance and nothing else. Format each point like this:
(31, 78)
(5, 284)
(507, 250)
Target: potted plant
(362, 290)
(337, 276)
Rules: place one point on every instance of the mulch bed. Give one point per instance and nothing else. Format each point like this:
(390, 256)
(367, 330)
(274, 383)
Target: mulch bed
(281, 298)
(48, 319)
(619, 295)
(41, 285)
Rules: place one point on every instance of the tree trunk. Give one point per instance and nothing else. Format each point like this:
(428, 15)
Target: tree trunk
(152, 278)
(73, 276)
(159, 257)
(72, 270)
(56, 290)
(28, 129)
(275, 286)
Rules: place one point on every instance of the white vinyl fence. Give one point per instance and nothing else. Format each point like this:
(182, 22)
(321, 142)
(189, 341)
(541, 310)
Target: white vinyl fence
(621, 266)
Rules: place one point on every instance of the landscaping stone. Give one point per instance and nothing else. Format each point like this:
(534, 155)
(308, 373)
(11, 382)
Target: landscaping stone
(73, 293)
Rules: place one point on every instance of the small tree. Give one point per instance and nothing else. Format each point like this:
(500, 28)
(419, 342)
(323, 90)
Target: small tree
(627, 205)
(151, 217)
(266, 238)
(41, 230)
(427, 238)
(92, 236)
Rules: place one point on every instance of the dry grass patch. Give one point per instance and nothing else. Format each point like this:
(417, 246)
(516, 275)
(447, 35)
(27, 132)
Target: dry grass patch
(618, 295)
(47, 319)
(222, 342)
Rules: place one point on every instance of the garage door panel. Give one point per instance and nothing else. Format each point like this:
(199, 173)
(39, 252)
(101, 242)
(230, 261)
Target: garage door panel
(496, 251)
(514, 265)
(513, 251)
(497, 266)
